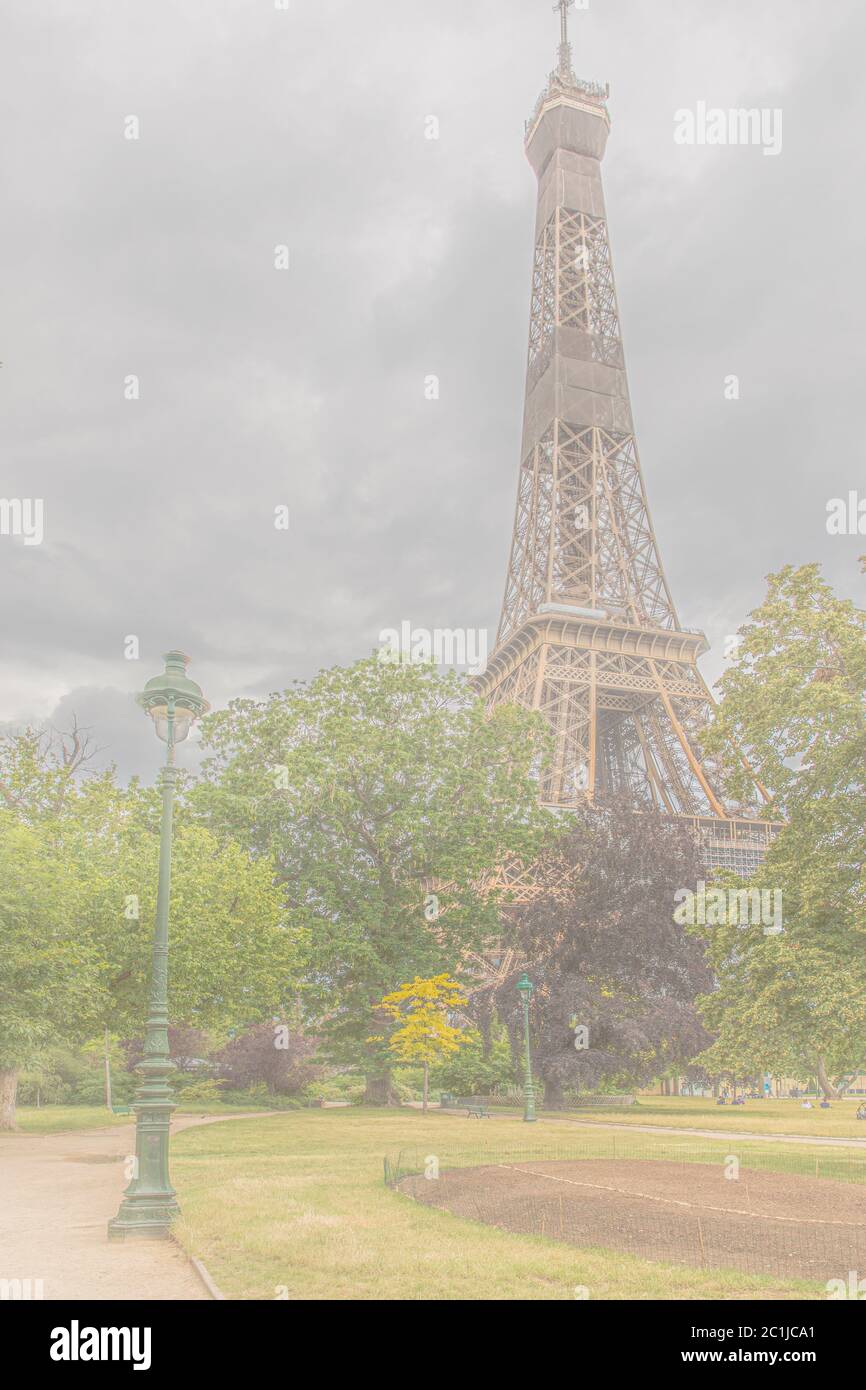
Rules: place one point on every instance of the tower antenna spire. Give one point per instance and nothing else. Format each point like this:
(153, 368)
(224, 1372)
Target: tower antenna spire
(566, 69)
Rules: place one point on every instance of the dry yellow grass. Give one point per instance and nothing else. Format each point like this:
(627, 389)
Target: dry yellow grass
(294, 1206)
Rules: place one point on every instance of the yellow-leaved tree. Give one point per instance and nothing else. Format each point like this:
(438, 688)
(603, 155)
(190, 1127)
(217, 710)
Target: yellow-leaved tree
(423, 1034)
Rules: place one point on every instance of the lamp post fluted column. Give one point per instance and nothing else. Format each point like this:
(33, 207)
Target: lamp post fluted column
(149, 1203)
(525, 987)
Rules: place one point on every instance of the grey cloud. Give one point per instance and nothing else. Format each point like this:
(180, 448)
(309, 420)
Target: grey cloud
(409, 257)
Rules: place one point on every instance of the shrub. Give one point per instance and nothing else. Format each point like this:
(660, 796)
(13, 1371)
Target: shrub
(341, 1087)
(255, 1057)
(205, 1091)
(187, 1046)
(44, 1087)
(90, 1088)
(260, 1098)
(470, 1073)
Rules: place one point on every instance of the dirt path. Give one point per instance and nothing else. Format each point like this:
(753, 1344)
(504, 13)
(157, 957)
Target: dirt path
(59, 1192)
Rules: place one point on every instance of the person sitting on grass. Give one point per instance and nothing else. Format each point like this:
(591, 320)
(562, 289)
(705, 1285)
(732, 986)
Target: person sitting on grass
(861, 1110)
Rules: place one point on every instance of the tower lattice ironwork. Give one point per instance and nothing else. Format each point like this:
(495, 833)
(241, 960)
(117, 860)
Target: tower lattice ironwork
(589, 634)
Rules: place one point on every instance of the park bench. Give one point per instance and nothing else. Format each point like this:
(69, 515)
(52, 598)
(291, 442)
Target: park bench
(480, 1112)
(121, 1109)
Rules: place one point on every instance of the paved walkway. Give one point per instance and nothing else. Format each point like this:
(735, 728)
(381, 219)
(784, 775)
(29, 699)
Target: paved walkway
(726, 1134)
(60, 1191)
(818, 1139)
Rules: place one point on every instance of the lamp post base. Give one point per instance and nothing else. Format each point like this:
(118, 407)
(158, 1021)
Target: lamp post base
(149, 1204)
(146, 1219)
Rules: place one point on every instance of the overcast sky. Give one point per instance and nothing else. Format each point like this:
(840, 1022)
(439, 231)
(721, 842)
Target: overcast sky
(259, 387)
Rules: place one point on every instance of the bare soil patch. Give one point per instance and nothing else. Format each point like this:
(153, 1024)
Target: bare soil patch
(683, 1213)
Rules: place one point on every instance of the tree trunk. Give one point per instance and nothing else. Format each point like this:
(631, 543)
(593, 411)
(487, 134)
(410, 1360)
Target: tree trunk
(426, 1086)
(830, 1092)
(378, 1091)
(552, 1093)
(8, 1093)
(107, 1073)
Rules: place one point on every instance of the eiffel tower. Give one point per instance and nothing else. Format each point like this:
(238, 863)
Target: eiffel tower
(589, 634)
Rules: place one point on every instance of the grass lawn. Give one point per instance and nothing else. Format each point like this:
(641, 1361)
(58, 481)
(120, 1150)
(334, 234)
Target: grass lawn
(767, 1116)
(295, 1205)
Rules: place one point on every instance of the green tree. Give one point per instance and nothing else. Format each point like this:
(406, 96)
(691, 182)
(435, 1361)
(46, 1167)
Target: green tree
(235, 959)
(40, 769)
(53, 981)
(795, 703)
(784, 1004)
(385, 796)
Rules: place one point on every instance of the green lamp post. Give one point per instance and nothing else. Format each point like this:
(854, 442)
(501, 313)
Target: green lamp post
(149, 1206)
(525, 987)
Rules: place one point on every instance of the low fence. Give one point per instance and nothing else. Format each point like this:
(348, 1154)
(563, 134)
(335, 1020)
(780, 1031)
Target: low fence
(785, 1213)
(513, 1100)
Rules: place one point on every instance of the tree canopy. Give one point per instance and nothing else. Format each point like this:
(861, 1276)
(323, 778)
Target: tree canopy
(78, 903)
(385, 796)
(613, 972)
(795, 701)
